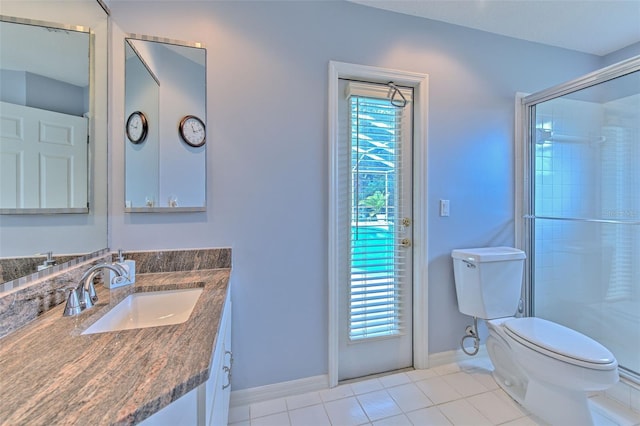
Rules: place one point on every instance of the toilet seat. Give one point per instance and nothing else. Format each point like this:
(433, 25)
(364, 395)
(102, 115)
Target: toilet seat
(560, 342)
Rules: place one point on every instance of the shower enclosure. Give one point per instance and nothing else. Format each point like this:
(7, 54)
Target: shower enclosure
(579, 216)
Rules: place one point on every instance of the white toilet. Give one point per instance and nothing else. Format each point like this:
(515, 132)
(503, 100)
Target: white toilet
(546, 367)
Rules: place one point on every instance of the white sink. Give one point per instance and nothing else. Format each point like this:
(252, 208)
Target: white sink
(152, 309)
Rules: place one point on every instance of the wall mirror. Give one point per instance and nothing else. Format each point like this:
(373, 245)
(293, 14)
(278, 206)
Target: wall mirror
(53, 63)
(44, 117)
(165, 131)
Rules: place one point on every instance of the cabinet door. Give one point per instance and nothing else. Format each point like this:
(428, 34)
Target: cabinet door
(210, 400)
(181, 412)
(222, 386)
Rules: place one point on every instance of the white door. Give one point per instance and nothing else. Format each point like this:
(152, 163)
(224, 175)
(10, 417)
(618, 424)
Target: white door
(375, 285)
(43, 157)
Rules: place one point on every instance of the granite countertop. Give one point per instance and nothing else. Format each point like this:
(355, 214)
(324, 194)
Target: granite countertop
(51, 374)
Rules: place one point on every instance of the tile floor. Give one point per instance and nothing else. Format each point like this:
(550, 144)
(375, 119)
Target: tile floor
(454, 394)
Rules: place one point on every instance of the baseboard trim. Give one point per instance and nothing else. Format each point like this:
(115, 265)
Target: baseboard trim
(279, 390)
(448, 357)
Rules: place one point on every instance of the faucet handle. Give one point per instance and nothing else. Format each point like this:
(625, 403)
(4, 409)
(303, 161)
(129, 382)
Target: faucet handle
(84, 297)
(73, 304)
(92, 293)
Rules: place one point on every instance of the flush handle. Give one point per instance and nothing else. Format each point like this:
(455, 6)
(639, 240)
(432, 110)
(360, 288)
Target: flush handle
(469, 264)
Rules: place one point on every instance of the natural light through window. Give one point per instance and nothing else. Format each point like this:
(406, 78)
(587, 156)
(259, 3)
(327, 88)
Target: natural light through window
(375, 261)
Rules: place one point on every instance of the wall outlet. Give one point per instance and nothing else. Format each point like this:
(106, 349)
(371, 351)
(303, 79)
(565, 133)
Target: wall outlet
(444, 208)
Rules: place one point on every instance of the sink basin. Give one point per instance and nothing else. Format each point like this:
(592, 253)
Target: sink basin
(152, 309)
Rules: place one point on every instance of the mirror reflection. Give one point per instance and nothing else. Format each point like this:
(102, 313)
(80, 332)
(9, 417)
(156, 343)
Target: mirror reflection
(75, 37)
(165, 134)
(44, 110)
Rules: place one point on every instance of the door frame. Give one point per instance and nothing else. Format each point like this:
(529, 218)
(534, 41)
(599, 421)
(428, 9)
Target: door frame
(420, 84)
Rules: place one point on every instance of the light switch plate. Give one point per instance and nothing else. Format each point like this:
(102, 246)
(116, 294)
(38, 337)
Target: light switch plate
(444, 208)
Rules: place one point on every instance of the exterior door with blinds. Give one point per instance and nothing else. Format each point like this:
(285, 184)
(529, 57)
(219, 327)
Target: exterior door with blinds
(375, 307)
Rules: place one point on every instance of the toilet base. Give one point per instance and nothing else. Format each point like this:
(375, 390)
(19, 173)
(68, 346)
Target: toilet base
(557, 406)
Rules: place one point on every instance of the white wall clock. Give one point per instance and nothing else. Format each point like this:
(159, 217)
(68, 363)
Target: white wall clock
(137, 127)
(192, 131)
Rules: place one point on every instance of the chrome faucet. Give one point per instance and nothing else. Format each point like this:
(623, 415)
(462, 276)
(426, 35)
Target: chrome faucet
(84, 296)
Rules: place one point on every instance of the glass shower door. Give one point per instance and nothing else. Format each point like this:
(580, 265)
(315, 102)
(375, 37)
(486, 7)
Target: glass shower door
(584, 173)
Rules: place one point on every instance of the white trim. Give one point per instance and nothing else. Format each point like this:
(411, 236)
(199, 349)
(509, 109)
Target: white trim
(616, 70)
(457, 355)
(278, 390)
(520, 169)
(357, 88)
(521, 183)
(419, 82)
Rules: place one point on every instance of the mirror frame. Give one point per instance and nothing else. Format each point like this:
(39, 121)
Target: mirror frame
(157, 39)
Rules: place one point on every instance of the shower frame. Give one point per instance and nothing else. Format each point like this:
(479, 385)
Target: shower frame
(525, 169)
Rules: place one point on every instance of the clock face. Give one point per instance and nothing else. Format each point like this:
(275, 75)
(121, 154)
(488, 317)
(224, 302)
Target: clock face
(192, 131)
(137, 127)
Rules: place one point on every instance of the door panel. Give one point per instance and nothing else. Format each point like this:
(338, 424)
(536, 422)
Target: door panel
(375, 307)
(44, 158)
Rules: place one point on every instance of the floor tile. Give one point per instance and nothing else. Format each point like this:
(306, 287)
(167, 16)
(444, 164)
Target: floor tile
(445, 369)
(428, 416)
(476, 363)
(510, 401)
(463, 394)
(461, 412)
(409, 397)
(486, 378)
(339, 392)
(366, 386)
(303, 400)
(437, 390)
(346, 412)
(280, 419)
(394, 380)
(265, 408)
(523, 421)
(378, 405)
(399, 420)
(417, 375)
(238, 414)
(494, 408)
(312, 415)
(464, 384)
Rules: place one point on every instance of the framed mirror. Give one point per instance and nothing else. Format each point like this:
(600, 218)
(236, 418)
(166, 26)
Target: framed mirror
(44, 117)
(53, 58)
(165, 125)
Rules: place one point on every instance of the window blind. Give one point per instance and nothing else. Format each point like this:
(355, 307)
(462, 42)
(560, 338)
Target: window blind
(619, 183)
(377, 263)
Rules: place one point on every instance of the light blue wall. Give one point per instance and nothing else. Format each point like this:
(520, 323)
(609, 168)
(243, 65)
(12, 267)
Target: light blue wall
(267, 156)
(37, 91)
(622, 54)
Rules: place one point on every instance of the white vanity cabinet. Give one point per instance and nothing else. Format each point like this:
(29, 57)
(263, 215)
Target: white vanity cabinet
(218, 387)
(208, 404)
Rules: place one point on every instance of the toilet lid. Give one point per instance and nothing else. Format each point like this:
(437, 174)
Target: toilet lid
(559, 342)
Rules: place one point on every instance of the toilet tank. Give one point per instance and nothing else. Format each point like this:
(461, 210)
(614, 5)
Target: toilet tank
(488, 280)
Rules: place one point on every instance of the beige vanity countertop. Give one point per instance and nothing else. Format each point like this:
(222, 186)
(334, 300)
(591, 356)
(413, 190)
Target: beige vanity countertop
(50, 374)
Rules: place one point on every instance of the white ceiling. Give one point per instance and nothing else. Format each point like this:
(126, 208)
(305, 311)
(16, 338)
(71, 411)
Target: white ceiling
(592, 26)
